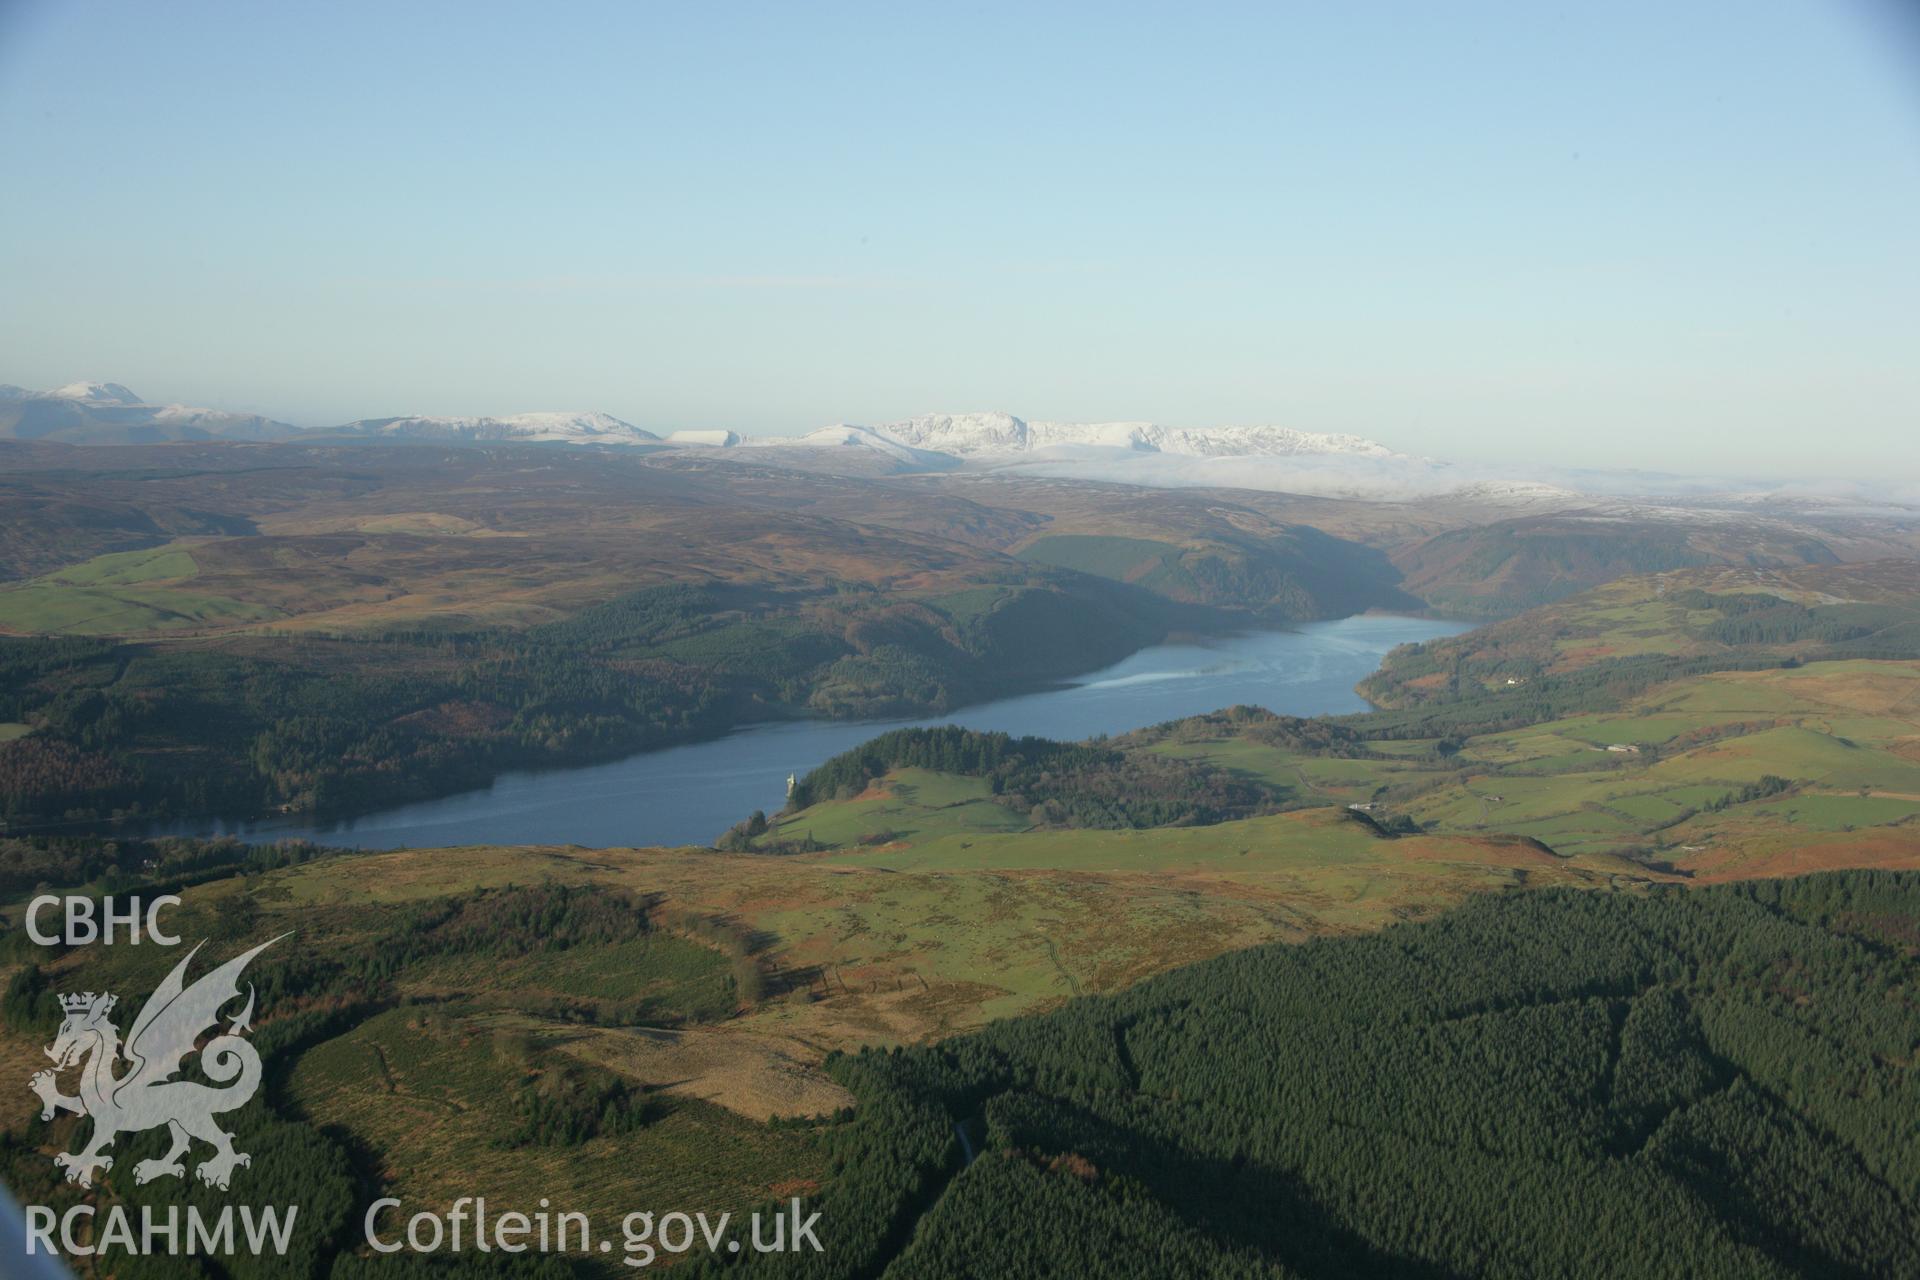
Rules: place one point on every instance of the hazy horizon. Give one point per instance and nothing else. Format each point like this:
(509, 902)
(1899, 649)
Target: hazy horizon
(1638, 237)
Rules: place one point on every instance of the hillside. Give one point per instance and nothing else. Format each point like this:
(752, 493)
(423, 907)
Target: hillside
(1685, 724)
(614, 1027)
(1726, 1071)
(1287, 573)
(437, 1034)
(244, 628)
(1716, 1083)
(1502, 568)
(1704, 617)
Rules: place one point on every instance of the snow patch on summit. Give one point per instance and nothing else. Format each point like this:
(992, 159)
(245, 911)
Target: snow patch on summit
(96, 393)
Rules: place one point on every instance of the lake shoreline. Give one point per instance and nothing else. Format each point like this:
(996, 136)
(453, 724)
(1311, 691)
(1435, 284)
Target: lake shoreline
(690, 786)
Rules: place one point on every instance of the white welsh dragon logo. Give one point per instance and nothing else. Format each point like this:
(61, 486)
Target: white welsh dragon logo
(146, 1097)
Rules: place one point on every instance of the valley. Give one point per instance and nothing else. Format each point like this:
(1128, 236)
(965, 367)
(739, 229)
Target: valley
(985, 940)
(534, 609)
(182, 614)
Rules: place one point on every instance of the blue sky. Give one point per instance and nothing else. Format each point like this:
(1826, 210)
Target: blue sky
(1630, 233)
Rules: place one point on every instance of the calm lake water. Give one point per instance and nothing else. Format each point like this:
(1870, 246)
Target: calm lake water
(689, 795)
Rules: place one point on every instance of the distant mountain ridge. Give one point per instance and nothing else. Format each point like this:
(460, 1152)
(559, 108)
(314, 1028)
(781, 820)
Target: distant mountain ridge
(970, 434)
(530, 428)
(1254, 457)
(110, 413)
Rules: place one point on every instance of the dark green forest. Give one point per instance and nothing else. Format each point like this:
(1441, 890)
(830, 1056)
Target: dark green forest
(1702, 1083)
(1071, 784)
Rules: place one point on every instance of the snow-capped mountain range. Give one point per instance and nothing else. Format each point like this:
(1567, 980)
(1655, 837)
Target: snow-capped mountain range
(1280, 459)
(997, 434)
(527, 428)
(936, 440)
(1145, 453)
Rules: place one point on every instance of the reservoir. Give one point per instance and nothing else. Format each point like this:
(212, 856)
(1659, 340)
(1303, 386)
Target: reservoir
(690, 794)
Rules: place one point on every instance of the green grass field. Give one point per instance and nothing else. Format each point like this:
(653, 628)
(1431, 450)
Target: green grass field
(656, 978)
(126, 568)
(98, 612)
(1124, 559)
(1829, 729)
(913, 803)
(127, 591)
(1256, 844)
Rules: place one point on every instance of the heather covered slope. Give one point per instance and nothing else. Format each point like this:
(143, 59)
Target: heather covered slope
(1278, 574)
(1502, 568)
(521, 534)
